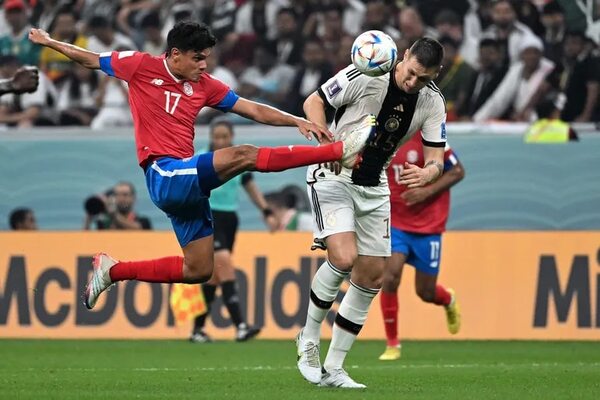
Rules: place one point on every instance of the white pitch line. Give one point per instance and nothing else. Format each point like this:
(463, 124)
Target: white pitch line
(390, 366)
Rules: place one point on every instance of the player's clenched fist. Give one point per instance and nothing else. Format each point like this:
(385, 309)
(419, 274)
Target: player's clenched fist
(39, 36)
(26, 80)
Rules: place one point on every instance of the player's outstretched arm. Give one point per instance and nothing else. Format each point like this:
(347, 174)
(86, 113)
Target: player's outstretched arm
(84, 57)
(272, 116)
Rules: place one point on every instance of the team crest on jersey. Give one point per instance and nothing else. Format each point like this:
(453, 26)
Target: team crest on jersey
(187, 88)
(334, 88)
(392, 124)
(412, 156)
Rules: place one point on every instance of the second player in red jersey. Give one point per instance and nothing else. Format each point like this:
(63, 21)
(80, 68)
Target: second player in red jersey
(419, 218)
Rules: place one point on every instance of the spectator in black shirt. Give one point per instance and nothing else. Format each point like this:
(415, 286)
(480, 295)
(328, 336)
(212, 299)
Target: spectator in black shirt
(491, 72)
(578, 79)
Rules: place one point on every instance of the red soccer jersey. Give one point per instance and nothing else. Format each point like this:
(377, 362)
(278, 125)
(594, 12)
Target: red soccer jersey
(163, 107)
(428, 217)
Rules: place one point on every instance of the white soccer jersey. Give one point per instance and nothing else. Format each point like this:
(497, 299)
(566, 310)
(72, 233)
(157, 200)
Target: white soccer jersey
(399, 116)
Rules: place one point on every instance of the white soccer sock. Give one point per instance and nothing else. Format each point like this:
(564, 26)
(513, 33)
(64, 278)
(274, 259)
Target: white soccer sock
(323, 291)
(349, 320)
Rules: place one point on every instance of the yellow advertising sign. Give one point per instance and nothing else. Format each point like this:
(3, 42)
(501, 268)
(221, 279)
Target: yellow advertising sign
(511, 285)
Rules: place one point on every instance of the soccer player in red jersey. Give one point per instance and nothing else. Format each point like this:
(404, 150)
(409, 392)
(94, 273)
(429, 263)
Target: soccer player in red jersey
(419, 217)
(165, 94)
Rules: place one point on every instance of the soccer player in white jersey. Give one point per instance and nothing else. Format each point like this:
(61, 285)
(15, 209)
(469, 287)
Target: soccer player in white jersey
(351, 207)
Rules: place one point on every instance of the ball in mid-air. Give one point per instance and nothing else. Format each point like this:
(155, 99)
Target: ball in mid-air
(374, 53)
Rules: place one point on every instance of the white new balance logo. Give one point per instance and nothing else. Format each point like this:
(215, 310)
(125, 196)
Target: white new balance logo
(157, 82)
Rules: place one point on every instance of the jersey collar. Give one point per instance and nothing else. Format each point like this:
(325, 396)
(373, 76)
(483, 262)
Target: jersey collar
(169, 71)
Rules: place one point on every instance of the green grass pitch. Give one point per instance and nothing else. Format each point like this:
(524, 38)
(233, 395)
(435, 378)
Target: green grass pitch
(88, 369)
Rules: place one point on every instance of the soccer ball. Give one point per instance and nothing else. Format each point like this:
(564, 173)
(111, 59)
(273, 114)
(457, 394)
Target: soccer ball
(374, 53)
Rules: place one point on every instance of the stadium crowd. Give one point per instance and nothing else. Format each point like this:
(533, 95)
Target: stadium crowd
(504, 59)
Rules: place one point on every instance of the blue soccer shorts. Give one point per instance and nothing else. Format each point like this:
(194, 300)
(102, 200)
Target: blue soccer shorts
(422, 250)
(181, 188)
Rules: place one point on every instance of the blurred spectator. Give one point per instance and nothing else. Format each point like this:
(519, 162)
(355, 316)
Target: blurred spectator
(180, 10)
(553, 19)
(478, 19)
(428, 9)
(76, 97)
(113, 104)
(45, 12)
(579, 79)
(449, 23)
(453, 78)
(22, 219)
(528, 14)
(115, 210)
(24, 80)
(329, 27)
(220, 16)
(492, 69)
(341, 58)
(103, 36)
(285, 208)
(289, 41)
(507, 30)
(265, 80)
(130, 16)
(16, 42)
(522, 88)
(224, 75)
(24, 110)
(259, 17)
(105, 8)
(154, 42)
(353, 14)
(64, 28)
(412, 26)
(313, 72)
(377, 17)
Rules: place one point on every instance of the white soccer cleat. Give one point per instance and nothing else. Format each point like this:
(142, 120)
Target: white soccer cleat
(356, 140)
(100, 279)
(309, 361)
(340, 379)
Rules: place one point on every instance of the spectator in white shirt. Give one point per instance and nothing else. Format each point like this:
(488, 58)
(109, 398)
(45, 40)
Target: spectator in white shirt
(522, 88)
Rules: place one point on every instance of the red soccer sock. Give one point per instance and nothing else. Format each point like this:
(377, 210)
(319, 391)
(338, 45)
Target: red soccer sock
(389, 309)
(442, 296)
(273, 159)
(162, 270)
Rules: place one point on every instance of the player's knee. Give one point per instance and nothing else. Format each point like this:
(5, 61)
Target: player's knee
(343, 261)
(196, 272)
(426, 294)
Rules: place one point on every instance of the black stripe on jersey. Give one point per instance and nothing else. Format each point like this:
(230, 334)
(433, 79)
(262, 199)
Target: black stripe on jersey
(433, 144)
(433, 87)
(353, 73)
(354, 76)
(322, 95)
